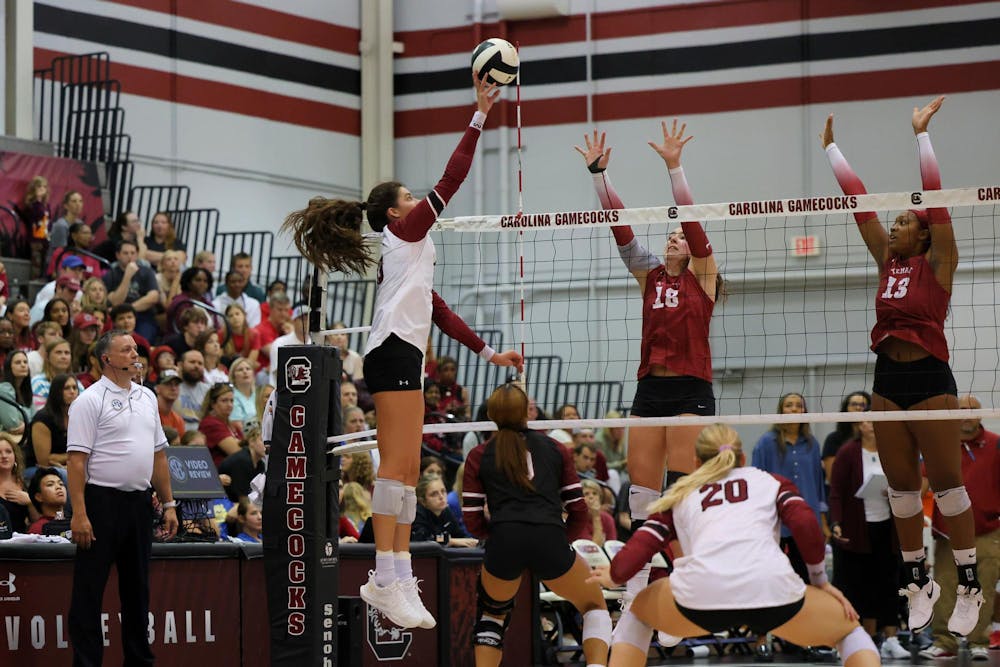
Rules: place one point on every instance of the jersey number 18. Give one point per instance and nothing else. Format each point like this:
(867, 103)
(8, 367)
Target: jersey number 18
(665, 297)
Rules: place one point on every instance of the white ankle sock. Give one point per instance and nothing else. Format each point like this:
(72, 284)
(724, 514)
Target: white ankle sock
(403, 564)
(385, 569)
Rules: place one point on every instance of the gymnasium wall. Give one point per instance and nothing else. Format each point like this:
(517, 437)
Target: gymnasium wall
(257, 109)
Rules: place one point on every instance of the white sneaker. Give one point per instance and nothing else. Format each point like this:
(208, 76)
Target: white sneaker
(934, 652)
(391, 601)
(920, 601)
(667, 641)
(979, 653)
(892, 650)
(966, 614)
(411, 589)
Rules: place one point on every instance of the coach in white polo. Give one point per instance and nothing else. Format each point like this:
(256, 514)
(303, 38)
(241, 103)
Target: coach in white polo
(116, 449)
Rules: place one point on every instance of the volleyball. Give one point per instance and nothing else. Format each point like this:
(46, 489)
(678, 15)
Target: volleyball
(496, 61)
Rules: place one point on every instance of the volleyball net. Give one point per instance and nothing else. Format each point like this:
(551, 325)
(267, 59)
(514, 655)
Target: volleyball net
(796, 316)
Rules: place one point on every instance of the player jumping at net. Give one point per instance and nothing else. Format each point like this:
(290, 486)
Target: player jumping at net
(328, 234)
(675, 369)
(916, 262)
(733, 572)
(527, 480)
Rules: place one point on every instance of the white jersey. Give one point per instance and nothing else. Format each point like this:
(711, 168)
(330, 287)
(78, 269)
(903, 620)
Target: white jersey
(403, 297)
(730, 528)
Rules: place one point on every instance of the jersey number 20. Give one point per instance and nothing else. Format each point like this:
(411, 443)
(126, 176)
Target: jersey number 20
(733, 491)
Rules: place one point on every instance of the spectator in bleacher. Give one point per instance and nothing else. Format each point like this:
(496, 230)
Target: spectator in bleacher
(129, 282)
(207, 343)
(19, 313)
(857, 401)
(244, 464)
(34, 211)
(6, 340)
(72, 210)
(58, 358)
(563, 412)
(45, 333)
(235, 292)
(161, 238)
(222, 436)
(192, 323)
(243, 340)
(431, 466)
(168, 389)
(273, 327)
(611, 442)
(298, 336)
(432, 396)
(350, 360)
(274, 287)
(57, 312)
(13, 494)
(48, 427)
(141, 373)
(161, 358)
(193, 389)
(584, 456)
(192, 439)
(361, 469)
(348, 394)
(205, 259)
(81, 237)
(455, 497)
(248, 524)
(125, 227)
(241, 375)
(196, 287)
(434, 521)
(791, 450)
(70, 267)
(48, 495)
(17, 376)
(454, 397)
(66, 288)
(123, 316)
(93, 372)
(243, 263)
(84, 334)
(866, 550)
(168, 277)
(94, 296)
(601, 526)
(263, 394)
(356, 504)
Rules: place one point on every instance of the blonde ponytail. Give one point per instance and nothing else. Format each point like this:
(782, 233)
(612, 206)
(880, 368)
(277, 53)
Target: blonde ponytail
(719, 448)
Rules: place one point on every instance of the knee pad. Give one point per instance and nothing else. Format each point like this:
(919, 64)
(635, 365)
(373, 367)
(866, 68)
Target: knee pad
(408, 511)
(639, 500)
(952, 501)
(493, 617)
(630, 630)
(905, 504)
(597, 625)
(673, 477)
(387, 497)
(856, 640)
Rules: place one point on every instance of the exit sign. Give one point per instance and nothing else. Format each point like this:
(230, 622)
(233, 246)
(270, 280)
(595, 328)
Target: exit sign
(805, 246)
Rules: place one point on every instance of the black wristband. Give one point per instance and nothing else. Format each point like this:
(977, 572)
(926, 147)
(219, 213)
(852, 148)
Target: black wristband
(594, 169)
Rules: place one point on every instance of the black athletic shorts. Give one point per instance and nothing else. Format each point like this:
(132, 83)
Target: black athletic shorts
(671, 396)
(760, 620)
(395, 365)
(542, 549)
(907, 383)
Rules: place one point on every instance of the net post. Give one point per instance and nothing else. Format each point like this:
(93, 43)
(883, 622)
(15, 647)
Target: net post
(301, 552)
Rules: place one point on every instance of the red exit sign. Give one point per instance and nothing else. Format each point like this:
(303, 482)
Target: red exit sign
(805, 246)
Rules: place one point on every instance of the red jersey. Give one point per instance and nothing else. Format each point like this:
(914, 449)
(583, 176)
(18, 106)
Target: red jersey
(676, 313)
(911, 305)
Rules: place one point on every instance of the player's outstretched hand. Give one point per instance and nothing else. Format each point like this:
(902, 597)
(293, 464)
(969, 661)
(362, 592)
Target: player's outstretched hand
(486, 93)
(596, 156)
(509, 358)
(673, 144)
(921, 117)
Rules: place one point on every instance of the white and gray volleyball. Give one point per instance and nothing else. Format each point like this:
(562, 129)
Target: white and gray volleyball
(496, 61)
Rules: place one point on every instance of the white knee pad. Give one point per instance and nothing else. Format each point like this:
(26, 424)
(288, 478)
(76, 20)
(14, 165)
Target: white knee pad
(597, 625)
(630, 630)
(905, 504)
(952, 501)
(639, 500)
(856, 640)
(408, 511)
(387, 497)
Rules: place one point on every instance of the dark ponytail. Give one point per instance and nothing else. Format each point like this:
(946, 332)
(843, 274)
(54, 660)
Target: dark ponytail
(508, 407)
(328, 233)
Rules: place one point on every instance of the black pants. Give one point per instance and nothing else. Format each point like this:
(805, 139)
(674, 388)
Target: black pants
(122, 522)
(791, 550)
(870, 580)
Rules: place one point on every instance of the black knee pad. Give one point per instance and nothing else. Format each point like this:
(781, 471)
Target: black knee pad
(489, 631)
(487, 605)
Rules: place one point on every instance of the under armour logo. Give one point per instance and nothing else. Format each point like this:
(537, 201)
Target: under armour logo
(9, 583)
(404, 383)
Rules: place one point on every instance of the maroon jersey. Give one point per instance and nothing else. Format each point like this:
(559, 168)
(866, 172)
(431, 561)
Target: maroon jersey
(676, 313)
(911, 305)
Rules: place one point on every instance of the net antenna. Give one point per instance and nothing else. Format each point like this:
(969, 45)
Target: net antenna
(522, 376)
